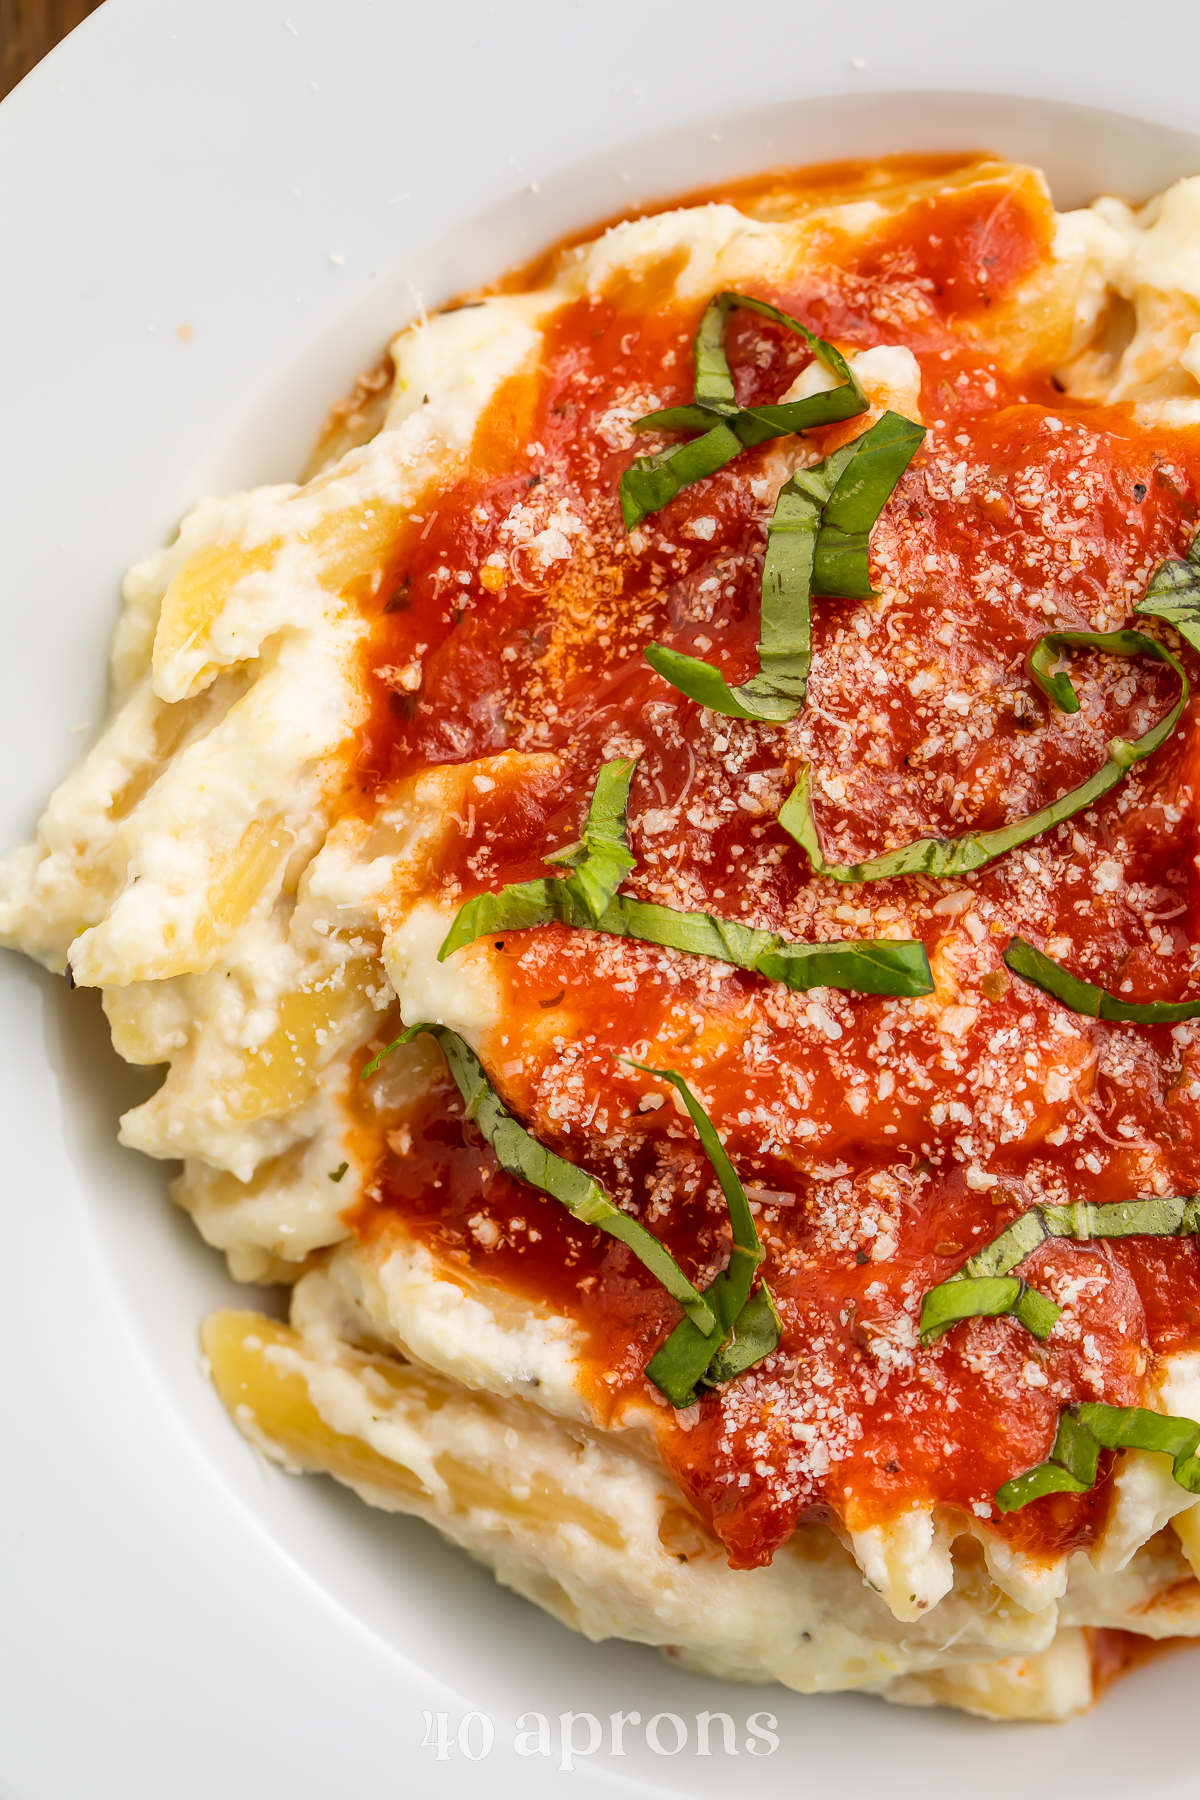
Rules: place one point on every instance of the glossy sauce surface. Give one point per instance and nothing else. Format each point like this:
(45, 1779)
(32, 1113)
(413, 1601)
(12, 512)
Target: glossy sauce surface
(885, 1140)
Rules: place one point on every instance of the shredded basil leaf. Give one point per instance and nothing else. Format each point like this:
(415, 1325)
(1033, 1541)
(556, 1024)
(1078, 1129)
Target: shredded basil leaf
(1174, 594)
(817, 543)
(756, 1332)
(651, 482)
(747, 1328)
(336, 1174)
(1012, 1246)
(599, 862)
(517, 907)
(1043, 972)
(776, 692)
(898, 967)
(862, 487)
(985, 1296)
(519, 1152)
(1084, 1221)
(1089, 1427)
(714, 383)
(833, 359)
(957, 856)
(984, 1287)
(725, 1330)
(601, 859)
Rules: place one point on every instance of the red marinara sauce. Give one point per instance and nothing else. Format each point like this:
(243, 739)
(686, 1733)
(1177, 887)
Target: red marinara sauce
(881, 1142)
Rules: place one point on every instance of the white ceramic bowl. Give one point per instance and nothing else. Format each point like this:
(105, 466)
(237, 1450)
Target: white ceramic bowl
(178, 1620)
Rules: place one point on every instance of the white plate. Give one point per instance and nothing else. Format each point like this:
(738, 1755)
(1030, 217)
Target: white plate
(175, 1621)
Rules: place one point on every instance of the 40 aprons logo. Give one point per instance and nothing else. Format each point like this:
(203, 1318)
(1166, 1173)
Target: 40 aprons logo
(574, 1735)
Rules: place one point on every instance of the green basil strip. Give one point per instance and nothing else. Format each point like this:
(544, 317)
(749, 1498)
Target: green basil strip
(651, 482)
(1174, 594)
(517, 907)
(714, 387)
(898, 967)
(825, 353)
(1089, 1427)
(1036, 1312)
(862, 487)
(601, 859)
(1014, 1244)
(756, 1332)
(983, 1296)
(776, 691)
(984, 1287)
(939, 856)
(1096, 1002)
(895, 966)
(599, 862)
(817, 543)
(714, 382)
(677, 418)
(588, 900)
(757, 424)
(692, 1359)
(746, 1330)
(1071, 1468)
(1084, 1221)
(1059, 688)
(519, 1152)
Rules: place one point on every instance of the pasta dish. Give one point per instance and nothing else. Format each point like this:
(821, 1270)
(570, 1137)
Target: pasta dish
(661, 877)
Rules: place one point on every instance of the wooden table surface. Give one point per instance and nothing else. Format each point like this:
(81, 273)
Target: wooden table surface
(28, 28)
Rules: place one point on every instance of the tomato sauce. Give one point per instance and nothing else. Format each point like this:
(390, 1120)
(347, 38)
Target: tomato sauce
(1116, 1653)
(513, 615)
